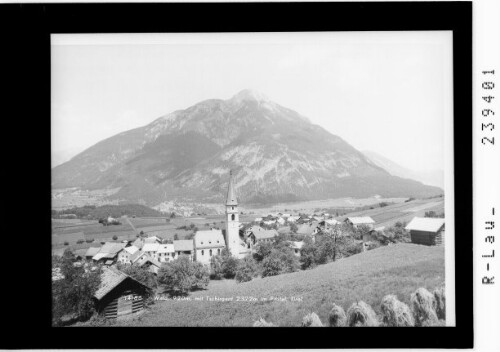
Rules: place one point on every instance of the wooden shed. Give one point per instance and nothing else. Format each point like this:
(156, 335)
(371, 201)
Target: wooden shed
(119, 294)
(427, 231)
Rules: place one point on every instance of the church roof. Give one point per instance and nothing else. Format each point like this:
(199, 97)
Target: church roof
(231, 194)
(209, 239)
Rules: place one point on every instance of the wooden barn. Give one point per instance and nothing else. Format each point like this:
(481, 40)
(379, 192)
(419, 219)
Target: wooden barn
(119, 294)
(428, 231)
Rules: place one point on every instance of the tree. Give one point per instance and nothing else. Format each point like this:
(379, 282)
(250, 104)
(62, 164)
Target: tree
(262, 251)
(247, 269)
(279, 262)
(73, 295)
(223, 265)
(176, 237)
(115, 237)
(293, 227)
(141, 274)
(182, 275)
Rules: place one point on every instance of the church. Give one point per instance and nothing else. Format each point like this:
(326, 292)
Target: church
(210, 243)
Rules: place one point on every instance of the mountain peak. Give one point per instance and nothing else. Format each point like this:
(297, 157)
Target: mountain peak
(250, 94)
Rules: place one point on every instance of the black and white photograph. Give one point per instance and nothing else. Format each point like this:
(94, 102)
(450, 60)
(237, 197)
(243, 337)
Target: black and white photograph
(266, 179)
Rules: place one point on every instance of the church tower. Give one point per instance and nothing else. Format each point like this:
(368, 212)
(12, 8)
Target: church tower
(232, 220)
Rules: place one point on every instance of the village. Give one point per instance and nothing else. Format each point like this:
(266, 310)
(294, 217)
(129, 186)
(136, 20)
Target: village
(238, 240)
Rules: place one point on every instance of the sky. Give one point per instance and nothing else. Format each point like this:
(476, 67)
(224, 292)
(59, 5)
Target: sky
(387, 92)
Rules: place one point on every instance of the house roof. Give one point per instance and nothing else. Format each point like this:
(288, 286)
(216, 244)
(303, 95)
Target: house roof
(265, 234)
(359, 220)
(297, 245)
(209, 239)
(138, 243)
(308, 228)
(80, 252)
(136, 255)
(254, 228)
(183, 245)
(147, 258)
(152, 239)
(151, 247)
(231, 194)
(166, 248)
(110, 278)
(112, 247)
(426, 224)
(131, 249)
(99, 256)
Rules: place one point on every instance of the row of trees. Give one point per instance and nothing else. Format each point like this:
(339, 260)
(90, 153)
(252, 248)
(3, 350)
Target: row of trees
(115, 211)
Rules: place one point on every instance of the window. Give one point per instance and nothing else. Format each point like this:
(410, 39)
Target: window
(232, 217)
(218, 250)
(210, 252)
(202, 252)
(232, 208)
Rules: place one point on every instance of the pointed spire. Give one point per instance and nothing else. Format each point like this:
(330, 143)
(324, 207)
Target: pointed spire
(231, 194)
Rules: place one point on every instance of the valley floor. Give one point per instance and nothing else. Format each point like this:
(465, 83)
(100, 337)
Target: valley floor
(399, 269)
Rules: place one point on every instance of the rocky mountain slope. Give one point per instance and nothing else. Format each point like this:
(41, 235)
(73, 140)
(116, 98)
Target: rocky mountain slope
(275, 154)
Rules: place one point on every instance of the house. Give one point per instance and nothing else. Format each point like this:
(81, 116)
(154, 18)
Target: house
(254, 228)
(281, 221)
(108, 253)
(360, 220)
(126, 253)
(166, 253)
(258, 219)
(292, 219)
(152, 239)
(296, 247)
(151, 249)
(139, 242)
(119, 294)
(147, 261)
(184, 247)
(261, 236)
(308, 229)
(207, 244)
(80, 254)
(269, 222)
(428, 231)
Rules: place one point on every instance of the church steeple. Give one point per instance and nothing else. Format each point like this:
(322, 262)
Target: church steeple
(231, 194)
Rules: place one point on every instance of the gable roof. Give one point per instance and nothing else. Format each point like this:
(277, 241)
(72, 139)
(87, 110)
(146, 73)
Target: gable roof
(112, 247)
(265, 234)
(110, 278)
(307, 228)
(254, 228)
(147, 258)
(131, 249)
(151, 247)
(166, 248)
(138, 243)
(152, 239)
(183, 245)
(136, 255)
(209, 239)
(359, 220)
(426, 224)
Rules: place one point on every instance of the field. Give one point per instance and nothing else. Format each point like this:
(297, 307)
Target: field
(404, 212)
(71, 230)
(399, 269)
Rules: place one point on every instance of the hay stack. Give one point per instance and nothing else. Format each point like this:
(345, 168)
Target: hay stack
(261, 323)
(337, 316)
(361, 314)
(311, 320)
(440, 298)
(395, 312)
(423, 305)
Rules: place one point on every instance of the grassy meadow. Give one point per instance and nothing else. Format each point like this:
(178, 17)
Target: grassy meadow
(399, 269)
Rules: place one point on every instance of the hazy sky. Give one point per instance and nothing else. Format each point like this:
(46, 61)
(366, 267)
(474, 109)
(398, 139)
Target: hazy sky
(388, 92)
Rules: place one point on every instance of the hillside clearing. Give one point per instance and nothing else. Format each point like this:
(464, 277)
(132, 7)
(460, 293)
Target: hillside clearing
(399, 269)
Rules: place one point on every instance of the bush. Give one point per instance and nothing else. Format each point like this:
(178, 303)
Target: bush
(247, 269)
(311, 320)
(361, 314)
(293, 227)
(263, 250)
(439, 296)
(80, 241)
(262, 323)
(115, 238)
(90, 240)
(337, 317)
(66, 243)
(279, 262)
(396, 313)
(423, 305)
(182, 275)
